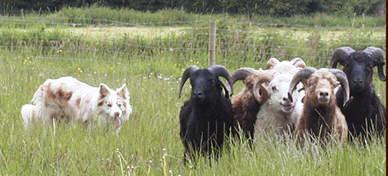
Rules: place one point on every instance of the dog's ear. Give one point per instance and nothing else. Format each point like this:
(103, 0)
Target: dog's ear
(123, 91)
(104, 90)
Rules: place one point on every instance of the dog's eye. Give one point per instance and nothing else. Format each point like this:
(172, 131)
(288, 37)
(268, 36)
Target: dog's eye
(109, 105)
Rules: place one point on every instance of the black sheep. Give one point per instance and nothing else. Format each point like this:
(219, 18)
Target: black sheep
(364, 112)
(206, 118)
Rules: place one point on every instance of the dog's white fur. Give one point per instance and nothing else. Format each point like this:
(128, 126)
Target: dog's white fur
(68, 99)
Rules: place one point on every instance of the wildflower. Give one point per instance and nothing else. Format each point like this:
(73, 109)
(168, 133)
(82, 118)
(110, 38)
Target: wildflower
(79, 70)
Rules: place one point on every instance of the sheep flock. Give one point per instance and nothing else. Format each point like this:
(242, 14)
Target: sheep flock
(285, 99)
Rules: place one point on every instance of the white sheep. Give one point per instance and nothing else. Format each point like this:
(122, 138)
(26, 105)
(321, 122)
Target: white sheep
(279, 113)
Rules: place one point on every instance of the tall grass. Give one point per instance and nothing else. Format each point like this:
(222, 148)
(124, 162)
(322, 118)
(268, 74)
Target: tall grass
(149, 143)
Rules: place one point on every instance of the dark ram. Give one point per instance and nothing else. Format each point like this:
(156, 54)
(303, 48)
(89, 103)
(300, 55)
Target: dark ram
(206, 118)
(364, 113)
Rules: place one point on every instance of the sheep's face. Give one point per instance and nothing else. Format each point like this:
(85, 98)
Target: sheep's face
(205, 86)
(278, 91)
(320, 87)
(250, 81)
(359, 71)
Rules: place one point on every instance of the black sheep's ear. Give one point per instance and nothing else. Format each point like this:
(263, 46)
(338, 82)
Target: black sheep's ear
(225, 90)
(221, 71)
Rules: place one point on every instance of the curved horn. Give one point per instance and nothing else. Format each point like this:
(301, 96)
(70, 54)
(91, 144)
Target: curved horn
(298, 62)
(241, 74)
(339, 55)
(186, 75)
(377, 55)
(220, 70)
(259, 91)
(341, 77)
(272, 62)
(300, 76)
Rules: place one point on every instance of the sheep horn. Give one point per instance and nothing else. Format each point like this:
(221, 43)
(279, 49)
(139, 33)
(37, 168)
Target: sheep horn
(377, 55)
(298, 62)
(260, 93)
(186, 75)
(341, 77)
(339, 55)
(241, 74)
(298, 77)
(220, 70)
(272, 62)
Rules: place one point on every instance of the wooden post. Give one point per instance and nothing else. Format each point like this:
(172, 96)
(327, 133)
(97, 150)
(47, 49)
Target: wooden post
(212, 43)
(22, 13)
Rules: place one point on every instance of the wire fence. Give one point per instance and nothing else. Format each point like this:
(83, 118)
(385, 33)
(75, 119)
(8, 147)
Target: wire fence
(76, 21)
(247, 47)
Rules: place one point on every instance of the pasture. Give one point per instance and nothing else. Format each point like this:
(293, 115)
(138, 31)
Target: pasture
(150, 59)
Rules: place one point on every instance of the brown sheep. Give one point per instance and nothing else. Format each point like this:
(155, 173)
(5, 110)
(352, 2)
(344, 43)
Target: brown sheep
(321, 116)
(247, 103)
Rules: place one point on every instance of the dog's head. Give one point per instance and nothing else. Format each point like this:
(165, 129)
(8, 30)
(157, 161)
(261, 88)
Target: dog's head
(113, 105)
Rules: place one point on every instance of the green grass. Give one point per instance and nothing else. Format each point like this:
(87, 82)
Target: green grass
(150, 64)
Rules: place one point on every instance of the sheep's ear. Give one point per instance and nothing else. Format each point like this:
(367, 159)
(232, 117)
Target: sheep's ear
(298, 62)
(123, 91)
(225, 90)
(104, 90)
(272, 62)
(260, 92)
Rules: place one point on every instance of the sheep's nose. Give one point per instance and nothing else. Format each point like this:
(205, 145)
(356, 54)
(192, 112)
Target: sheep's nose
(198, 94)
(323, 94)
(287, 99)
(358, 82)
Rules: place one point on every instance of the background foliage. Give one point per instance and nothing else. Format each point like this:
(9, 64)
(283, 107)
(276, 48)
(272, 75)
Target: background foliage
(248, 7)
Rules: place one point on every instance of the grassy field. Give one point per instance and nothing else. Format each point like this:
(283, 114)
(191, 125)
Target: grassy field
(150, 60)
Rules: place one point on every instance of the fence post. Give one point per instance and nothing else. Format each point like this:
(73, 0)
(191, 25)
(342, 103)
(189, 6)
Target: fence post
(212, 43)
(22, 13)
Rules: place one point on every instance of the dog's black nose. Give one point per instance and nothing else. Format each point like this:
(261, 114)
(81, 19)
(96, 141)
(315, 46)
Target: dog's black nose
(117, 114)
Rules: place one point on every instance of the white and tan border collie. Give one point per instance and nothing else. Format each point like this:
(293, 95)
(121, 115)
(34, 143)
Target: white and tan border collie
(68, 99)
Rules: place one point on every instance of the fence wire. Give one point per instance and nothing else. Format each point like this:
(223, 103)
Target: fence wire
(247, 48)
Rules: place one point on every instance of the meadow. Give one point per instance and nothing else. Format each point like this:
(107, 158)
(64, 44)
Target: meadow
(149, 51)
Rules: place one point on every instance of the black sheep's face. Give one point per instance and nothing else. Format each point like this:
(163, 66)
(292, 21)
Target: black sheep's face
(205, 86)
(359, 71)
